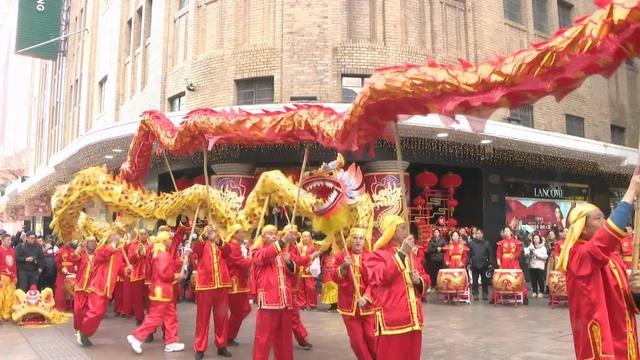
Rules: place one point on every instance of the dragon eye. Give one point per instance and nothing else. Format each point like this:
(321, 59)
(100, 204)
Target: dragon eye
(330, 173)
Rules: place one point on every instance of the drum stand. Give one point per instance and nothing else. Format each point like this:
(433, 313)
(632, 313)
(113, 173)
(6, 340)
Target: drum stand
(555, 300)
(515, 298)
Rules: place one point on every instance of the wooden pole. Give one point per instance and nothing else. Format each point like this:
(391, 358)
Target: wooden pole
(304, 166)
(188, 244)
(173, 179)
(265, 207)
(636, 231)
(353, 274)
(403, 186)
(206, 182)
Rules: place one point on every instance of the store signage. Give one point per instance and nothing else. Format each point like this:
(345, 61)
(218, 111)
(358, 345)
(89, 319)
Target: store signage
(38, 22)
(553, 191)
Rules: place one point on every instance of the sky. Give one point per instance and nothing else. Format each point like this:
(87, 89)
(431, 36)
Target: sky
(15, 78)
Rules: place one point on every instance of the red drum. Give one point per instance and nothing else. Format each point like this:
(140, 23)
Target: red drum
(452, 281)
(557, 283)
(508, 280)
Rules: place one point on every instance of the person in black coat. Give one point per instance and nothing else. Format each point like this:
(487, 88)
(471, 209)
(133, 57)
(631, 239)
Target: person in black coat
(479, 260)
(435, 256)
(30, 259)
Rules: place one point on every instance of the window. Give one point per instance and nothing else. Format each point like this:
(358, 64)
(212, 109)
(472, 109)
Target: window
(102, 91)
(617, 135)
(147, 19)
(127, 40)
(177, 102)
(351, 86)
(564, 14)
(575, 125)
(540, 16)
(182, 4)
(513, 10)
(254, 91)
(522, 116)
(137, 30)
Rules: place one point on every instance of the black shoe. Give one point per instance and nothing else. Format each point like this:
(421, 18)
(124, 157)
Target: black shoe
(199, 355)
(138, 323)
(485, 297)
(84, 339)
(492, 302)
(224, 352)
(526, 300)
(333, 307)
(305, 346)
(149, 339)
(475, 297)
(232, 342)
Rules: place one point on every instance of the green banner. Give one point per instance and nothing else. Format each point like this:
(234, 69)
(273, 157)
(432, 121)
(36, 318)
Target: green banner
(38, 22)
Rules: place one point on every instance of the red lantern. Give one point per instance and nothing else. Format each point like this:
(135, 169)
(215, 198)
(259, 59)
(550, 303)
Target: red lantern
(452, 222)
(426, 179)
(419, 202)
(453, 203)
(451, 181)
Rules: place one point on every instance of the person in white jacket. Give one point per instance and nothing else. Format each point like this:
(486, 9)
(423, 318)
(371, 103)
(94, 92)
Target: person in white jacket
(537, 255)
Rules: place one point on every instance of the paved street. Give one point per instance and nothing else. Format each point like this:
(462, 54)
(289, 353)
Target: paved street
(477, 331)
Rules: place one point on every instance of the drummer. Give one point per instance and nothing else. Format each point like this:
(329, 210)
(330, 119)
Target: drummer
(508, 257)
(455, 254)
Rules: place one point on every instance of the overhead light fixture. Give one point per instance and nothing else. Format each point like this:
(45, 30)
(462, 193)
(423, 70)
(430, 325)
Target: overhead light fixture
(117, 150)
(486, 141)
(442, 135)
(108, 156)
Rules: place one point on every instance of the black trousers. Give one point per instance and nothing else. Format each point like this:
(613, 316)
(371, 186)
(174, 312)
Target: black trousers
(434, 269)
(26, 279)
(477, 274)
(537, 280)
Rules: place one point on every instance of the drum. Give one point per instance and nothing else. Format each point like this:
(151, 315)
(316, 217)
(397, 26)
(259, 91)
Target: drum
(508, 280)
(557, 283)
(69, 284)
(194, 278)
(452, 281)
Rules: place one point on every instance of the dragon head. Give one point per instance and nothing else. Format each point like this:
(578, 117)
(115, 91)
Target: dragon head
(333, 186)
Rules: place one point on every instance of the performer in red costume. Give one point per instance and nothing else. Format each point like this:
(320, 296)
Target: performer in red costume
(162, 310)
(66, 262)
(626, 248)
(455, 254)
(85, 251)
(137, 253)
(307, 297)
(274, 273)
(508, 257)
(356, 307)
(602, 307)
(397, 284)
(8, 276)
(329, 287)
(108, 263)
(239, 307)
(212, 292)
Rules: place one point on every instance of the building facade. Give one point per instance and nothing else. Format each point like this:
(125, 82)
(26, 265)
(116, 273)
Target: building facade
(179, 55)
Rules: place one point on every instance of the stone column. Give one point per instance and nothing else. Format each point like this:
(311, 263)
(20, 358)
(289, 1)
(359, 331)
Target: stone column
(235, 180)
(383, 184)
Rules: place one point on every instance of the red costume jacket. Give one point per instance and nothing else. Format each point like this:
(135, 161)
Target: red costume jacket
(162, 277)
(397, 300)
(508, 253)
(455, 255)
(273, 279)
(347, 300)
(83, 275)
(557, 247)
(139, 262)
(8, 263)
(66, 261)
(601, 307)
(108, 264)
(305, 250)
(238, 269)
(212, 265)
(328, 266)
(626, 248)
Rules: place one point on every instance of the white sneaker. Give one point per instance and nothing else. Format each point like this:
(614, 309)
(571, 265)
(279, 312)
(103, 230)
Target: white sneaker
(174, 347)
(535, 295)
(136, 345)
(77, 335)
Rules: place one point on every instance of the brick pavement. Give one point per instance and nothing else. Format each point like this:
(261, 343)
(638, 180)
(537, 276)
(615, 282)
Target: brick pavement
(477, 331)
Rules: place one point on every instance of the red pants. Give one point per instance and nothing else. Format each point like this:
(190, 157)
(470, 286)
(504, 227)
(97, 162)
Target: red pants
(239, 309)
(117, 298)
(361, 335)
(160, 313)
(96, 308)
(133, 293)
(309, 288)
(405, 346)
(60, 295)
(298, 329)
(273, 329)
(80, 300)
(218, 300)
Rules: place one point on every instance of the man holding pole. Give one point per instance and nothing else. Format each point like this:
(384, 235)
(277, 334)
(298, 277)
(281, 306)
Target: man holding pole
(397, 287)
(601, 303)
(239, 307)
